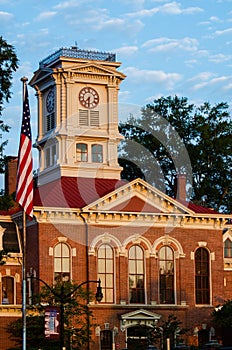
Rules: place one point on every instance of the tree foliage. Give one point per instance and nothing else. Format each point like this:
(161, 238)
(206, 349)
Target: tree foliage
(77, 317)
(8, 65)
(222, 315)
(174, 137)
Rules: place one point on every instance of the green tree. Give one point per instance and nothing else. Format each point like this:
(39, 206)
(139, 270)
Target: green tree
(222, 315)
(8, 65)
(174, 137)
(169, 328)
(222, 321)
(77, 317)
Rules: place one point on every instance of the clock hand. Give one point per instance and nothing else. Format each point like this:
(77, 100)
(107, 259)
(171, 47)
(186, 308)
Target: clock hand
(88, 101)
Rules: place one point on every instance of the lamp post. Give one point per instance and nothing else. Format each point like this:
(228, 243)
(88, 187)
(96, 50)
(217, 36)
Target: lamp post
(63, 297)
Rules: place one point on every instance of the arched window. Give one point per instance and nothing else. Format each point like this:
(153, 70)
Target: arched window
(61, 262)
(202, 276)
(228, 248)
(105, 258)
(166, 275)
(136, 275)
(7, 290)
(97, 155)
(81, 152)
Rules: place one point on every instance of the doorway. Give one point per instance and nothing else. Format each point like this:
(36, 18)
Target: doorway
(106, 339)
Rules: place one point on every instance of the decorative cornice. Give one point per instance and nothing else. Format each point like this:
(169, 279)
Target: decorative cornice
(117, 218)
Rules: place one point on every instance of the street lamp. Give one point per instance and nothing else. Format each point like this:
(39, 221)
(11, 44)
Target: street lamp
(63, 297)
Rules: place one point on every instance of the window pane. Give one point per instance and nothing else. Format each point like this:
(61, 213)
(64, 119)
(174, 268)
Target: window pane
(132, 266)
(136, 275)
(109, 281)
(65, 250)
(106, 272)
(81, 152)
(132, 253)
(109, 296)
(57, 250)
(97, 154)
(109, 266)
(62, 262)
(202, 290)
(139, 252)
(65, 265)
(166, 275)
(7, 290)
(228, 248)
(57, 265)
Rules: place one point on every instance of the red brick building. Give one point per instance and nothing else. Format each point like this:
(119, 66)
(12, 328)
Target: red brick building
(155, 255)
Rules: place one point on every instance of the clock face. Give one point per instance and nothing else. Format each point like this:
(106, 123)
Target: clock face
(50, 101)
(88, 97)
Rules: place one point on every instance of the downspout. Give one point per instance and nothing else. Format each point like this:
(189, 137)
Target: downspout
(87, 271)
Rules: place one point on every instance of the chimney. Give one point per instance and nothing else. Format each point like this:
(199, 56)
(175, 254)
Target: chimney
(180, 187)
(10, 174)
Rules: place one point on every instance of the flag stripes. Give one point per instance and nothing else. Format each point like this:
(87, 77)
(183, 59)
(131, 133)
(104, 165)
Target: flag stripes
(24, 191)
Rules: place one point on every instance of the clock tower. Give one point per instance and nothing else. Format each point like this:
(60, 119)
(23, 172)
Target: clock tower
(77, 93)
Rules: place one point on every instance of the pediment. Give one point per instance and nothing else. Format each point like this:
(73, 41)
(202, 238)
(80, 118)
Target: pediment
(140, 314)
(94, 68)
(40, 75)
(138, 196)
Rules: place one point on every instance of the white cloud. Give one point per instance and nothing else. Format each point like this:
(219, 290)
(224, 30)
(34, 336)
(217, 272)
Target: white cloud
(167, 44)
(126, 50)
(202, 76)
(222, 32)
(174, 8)
(211, 82)
(46, 15)
(171, 8)
(152, 76)
(5, 16)
(67, 4)
(219, 58)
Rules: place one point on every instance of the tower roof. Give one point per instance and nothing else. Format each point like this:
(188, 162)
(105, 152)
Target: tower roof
(75, 52)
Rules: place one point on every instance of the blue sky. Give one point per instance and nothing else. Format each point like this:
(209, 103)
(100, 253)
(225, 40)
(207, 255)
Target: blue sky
(166, 47)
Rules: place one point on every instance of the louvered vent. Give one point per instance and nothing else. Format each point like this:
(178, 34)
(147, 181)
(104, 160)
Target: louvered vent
(83, 117)
(94, 118)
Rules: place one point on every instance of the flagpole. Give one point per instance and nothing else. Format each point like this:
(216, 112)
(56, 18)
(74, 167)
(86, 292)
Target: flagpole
(24, 280)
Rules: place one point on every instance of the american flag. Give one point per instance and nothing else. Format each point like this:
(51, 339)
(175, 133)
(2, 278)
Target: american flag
(24, 190)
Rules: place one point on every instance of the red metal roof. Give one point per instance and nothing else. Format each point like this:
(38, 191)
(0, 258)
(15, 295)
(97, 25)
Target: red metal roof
(72, 192)
(198, 208)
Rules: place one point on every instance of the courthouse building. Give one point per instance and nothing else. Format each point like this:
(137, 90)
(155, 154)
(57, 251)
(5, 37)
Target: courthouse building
(155, 255)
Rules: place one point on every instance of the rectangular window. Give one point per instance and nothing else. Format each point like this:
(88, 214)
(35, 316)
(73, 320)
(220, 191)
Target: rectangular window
(166, 275)
(50, 156)
(136, 275)
(106, 272)
(81, 152)
(97, 156)
(202, 285)
(47, 157)
(228, 248)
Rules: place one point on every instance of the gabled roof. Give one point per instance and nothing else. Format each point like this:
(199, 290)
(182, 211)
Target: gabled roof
(91, 194)
(138, 196)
